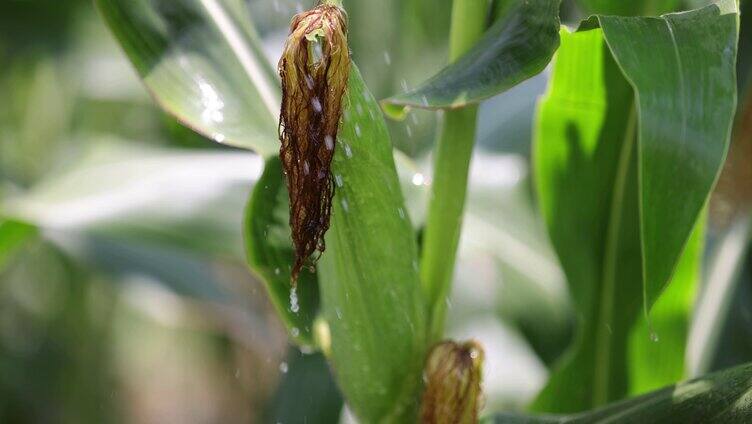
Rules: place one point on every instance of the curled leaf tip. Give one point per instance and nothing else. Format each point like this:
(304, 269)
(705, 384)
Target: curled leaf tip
(314, 69)
(453, 383)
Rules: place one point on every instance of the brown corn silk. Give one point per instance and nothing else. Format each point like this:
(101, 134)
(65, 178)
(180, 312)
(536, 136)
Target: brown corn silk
(314, 68)
(453, 384)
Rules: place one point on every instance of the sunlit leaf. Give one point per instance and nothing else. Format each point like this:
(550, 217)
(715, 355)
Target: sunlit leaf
(515, 48)
(125, 208)
(685, 120)
(202, 63)
(657, 346)
(608, 141)
(585, 174)
(134, 192)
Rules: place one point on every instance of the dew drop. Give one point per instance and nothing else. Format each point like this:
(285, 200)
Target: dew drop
(276, 271)
(654, 336)
(294, 306)
(295, 332)
(283, 367)
(219, 138)
(418, 179)
(316, 103)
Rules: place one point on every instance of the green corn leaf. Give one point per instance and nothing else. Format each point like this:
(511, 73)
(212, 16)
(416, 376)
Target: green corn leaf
(368, 276)
(202, 62)
(628, 8)
(517, 47)
(604, 147)
(682, 142)
(585, 174)
(306, 394)
(721, 397)
(270, 254)
(659, 358)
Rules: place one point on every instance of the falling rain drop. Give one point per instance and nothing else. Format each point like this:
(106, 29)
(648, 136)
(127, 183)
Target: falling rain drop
(329, 142)
(357, 130)
(401, 213)
(345, 206)
(387, 58)
(409, 131)
(348, 151)
(283, 367)
(338, 180)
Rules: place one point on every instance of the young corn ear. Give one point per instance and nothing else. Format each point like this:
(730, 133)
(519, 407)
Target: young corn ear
(314, 69)
(453, 384)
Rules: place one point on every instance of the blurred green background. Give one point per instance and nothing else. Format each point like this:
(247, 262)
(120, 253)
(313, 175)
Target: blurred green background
(129, 299)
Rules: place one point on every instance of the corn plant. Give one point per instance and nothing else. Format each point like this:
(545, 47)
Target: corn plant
(629, 143)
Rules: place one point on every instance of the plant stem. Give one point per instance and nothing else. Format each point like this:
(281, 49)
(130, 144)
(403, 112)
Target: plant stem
(453, 151)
